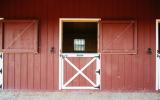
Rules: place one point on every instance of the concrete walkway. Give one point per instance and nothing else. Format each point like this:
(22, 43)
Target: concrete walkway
(10, 95)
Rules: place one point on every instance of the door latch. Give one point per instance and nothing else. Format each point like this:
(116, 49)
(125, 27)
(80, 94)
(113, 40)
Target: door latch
(149, 51)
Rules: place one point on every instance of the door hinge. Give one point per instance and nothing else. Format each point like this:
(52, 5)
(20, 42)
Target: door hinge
(1, 86)
(1, 71)
(98, 56)
(1, 56)
(98, 87)
(98, 71)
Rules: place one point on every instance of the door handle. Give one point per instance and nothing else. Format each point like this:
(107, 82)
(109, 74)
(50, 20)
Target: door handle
(149, 51)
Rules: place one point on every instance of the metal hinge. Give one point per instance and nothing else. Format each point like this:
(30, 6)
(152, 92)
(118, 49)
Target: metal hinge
(1, 71)
(98, 71)
(1, 56)
(98, 87)
(1, 86)
(98, 56)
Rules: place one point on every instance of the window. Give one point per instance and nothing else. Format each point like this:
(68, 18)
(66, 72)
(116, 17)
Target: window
(79, 44)
(19, 36)
(79, 36)
(118, 36)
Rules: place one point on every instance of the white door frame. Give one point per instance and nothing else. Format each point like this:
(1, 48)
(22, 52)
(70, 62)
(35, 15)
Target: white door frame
(157, 58)
(61, 20)
(1, 70)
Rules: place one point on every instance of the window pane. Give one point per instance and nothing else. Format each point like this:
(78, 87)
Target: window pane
(79, 44)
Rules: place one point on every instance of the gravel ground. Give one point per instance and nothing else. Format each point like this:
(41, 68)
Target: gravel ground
(25, 95)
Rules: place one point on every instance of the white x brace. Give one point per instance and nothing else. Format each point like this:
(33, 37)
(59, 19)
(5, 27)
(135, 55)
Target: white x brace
(95, 57)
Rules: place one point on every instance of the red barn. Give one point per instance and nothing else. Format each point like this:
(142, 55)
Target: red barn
(102, 45)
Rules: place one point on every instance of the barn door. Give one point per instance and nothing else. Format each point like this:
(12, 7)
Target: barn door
(80, 71)
(1, 70)
(79, 59)
(158, 54)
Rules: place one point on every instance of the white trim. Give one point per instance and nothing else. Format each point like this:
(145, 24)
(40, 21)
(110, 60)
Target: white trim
(98, 75)
(80, 54)
(82, 88)
(1, 66)
(157, 59)
(60, 58)
(80, 19)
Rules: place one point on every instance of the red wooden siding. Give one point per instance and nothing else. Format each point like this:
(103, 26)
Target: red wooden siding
(119, 72)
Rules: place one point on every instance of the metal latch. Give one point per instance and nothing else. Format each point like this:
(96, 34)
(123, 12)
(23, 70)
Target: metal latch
(98, 71)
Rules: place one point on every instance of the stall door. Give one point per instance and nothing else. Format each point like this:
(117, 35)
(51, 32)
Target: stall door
(158, 54)
(80, 71)
(79, 60)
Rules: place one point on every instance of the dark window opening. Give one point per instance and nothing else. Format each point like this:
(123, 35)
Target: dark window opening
(79, 37)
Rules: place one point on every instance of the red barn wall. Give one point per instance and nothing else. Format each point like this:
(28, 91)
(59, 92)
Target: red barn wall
(119, 72)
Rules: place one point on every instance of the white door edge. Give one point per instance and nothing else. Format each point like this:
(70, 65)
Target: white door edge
(1, 70)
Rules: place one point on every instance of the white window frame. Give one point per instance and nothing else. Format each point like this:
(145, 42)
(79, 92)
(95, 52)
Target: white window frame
(61, 20)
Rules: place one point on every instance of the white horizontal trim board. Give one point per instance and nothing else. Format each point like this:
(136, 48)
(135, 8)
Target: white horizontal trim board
(83, 88)
(80, 54)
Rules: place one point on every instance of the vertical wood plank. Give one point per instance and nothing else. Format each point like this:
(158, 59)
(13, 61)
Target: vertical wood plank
(44, 48)
(30, 71)
(11, 77)
(106, 72)
(17, 71)
(5, 70)
(128, 72)
(140, 70)
(24, 71)
(50, 59)
(37, 72)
